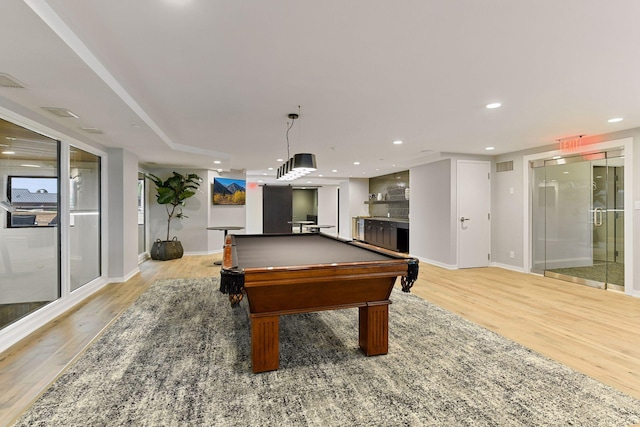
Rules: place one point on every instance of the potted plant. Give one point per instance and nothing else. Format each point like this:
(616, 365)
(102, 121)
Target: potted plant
(172, 193)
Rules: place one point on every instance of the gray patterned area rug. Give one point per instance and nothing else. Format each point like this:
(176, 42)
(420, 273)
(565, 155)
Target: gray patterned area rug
(180, 356)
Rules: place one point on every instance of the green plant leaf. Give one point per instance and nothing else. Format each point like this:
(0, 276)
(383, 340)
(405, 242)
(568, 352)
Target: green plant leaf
(174, 191)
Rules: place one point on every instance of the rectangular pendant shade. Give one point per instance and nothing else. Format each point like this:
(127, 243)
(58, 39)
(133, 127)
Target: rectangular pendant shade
(297, 166)
(304, 161)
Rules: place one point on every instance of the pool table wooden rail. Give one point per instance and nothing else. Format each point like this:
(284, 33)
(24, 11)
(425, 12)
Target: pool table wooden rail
(314, 287)
(280, 290)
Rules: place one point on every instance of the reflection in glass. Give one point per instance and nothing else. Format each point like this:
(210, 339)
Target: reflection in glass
(84, 221)
(29, 238)
(33, 201)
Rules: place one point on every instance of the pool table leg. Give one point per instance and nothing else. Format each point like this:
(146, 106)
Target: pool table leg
(374, 328)
(265, 340)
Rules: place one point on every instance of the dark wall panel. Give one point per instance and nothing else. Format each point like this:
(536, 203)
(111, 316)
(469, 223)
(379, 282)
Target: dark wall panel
(277, 205)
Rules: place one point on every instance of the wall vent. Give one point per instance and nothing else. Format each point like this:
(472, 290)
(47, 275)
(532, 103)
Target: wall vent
(61, 112)
(8, 81)
(504, 166)
(92, 130)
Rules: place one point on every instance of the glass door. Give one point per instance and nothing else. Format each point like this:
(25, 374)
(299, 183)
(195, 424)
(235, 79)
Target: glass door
(578, 227)
(84, 220)
(142, 247)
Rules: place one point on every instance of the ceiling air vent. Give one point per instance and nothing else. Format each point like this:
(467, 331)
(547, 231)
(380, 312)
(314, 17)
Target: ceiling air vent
(504, 166)
(8, 81)
(61, 112)
(92, 130)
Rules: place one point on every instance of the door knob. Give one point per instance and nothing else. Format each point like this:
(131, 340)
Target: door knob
(463, 219)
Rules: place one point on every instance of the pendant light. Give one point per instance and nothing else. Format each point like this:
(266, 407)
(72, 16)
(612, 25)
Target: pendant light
(299, 164)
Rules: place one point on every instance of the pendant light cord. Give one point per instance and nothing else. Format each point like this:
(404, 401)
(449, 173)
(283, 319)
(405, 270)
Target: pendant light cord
(288, 129)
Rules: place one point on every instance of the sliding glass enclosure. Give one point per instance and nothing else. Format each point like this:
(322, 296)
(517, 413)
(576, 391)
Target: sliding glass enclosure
(50, 221)
(578, 219)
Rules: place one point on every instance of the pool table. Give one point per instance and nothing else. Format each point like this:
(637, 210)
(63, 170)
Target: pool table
(299, 273)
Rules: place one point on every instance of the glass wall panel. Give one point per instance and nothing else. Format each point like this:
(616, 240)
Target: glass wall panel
(578, 219)
(568, 216)
(84, 221)
(29, 233)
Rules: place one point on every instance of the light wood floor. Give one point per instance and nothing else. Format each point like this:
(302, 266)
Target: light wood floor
(595, 332)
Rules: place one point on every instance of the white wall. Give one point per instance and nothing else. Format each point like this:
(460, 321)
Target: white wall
(191, 231)
(221, 215)
(431, 213)
(122, 213)
(353, 194)
(506, 214)
(254, 208)
(328, 209)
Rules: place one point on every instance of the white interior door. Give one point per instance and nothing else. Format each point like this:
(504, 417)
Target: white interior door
(474, 213)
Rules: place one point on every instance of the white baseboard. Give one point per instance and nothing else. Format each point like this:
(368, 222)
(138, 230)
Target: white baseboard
(217, 251)
(438, 263)
(507, 267)
(126, 277)
(635, 293)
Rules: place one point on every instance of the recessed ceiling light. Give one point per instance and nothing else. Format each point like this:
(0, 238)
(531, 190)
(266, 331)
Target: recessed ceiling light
(489, 148)
(397, 142)
(494, 105)
(615, 120)
(264, 173)
(356, 163)
(279, 160)
(8, 152)
(217, 162)
(269, 169)
(320, 175)
(334, 170)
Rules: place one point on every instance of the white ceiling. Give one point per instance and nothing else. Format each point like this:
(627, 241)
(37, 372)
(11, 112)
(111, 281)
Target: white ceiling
(187, 82)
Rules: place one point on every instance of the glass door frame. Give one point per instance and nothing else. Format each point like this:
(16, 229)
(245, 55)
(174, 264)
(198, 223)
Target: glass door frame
(625, 144)
(578, 262)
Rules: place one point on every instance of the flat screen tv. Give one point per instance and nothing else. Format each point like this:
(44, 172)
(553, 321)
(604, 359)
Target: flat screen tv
(228, 191)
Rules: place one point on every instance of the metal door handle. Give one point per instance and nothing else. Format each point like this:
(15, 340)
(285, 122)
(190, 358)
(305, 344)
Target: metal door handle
(463, 219)
(597, 217)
